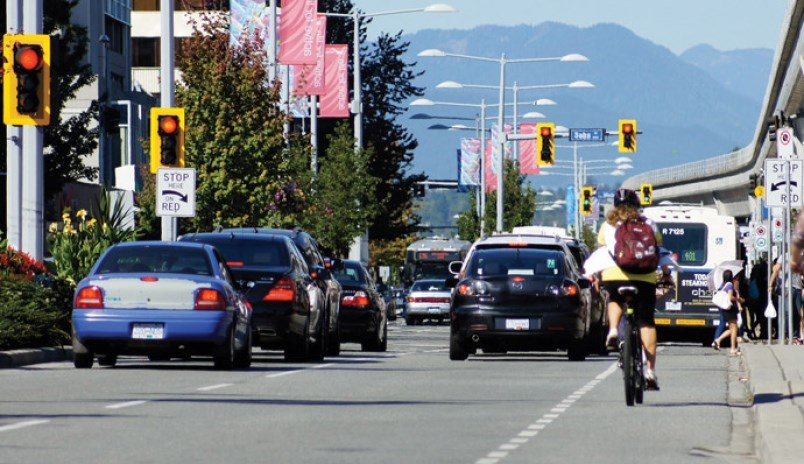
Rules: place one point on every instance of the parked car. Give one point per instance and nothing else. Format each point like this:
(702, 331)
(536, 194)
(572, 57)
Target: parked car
(427, 299)
(316, 263)
(161, 300)
(398, 297)
(363, 318)
(519, 293)
(287, 302)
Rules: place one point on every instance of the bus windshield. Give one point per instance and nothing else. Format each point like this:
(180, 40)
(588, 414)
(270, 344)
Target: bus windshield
(687, 241)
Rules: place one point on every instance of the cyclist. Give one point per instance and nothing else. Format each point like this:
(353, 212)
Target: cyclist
(626, 207)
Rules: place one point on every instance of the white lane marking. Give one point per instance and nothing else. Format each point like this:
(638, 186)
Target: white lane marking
(215, 387)
(317, 366)
(533, 429)
(127, 404)
(280, 374)
(23, 424)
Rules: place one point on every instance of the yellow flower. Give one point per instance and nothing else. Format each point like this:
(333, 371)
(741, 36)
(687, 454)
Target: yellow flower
(53, 228)
(65, 216)
(67, 222)
(105, 227)
(82, 213)
(91, 223)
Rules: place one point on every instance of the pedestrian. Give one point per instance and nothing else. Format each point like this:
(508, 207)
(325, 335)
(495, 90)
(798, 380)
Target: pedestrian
(730, 285)
(759, 274)
(774, 289)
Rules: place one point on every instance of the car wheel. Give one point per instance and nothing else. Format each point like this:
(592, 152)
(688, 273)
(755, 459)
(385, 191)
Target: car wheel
(319, 348)
(334, 342)
(410, 320)
(242, 358)
(82, 357)
(297, 347)
(577, 349)
(383, 344)
(108, 360)
(223, 358)
(457, 348)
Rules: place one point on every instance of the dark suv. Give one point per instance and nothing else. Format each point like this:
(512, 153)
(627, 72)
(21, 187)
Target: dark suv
(329, 286)
(519, 293)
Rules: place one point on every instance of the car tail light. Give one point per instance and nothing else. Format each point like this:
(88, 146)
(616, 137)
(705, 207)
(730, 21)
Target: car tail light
(517, 244)
(234, 263)
(570, 289)
(149, 279)
(473, 288)
(358, 300)
(89, 298)
(283, 290)
(209, 299)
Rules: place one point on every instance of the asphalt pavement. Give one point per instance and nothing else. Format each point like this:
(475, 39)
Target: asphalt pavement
(766, 379)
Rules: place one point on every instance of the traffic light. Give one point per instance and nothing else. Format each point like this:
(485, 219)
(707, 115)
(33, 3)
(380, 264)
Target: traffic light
(167, 138)
(418, 190)
(586, 199)
(545, 143)
(26, 79)
(646, 194)
(628, 133)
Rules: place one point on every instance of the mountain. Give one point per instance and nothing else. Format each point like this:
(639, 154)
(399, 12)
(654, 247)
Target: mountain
(687, 108)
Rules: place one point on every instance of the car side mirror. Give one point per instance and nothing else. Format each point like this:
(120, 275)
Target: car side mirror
(455, 267)
(321, 273)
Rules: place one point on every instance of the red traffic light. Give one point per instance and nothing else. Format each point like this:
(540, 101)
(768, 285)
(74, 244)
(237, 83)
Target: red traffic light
(546, 131)
(28, 58)
(168, 125)
(628, 128)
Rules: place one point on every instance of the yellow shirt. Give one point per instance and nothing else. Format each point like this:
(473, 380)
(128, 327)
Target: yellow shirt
(605, 238)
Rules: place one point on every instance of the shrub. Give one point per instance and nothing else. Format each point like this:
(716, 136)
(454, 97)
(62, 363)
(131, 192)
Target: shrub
(35, 313)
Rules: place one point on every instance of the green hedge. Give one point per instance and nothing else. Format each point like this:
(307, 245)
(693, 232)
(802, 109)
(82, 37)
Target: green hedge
(35, 313)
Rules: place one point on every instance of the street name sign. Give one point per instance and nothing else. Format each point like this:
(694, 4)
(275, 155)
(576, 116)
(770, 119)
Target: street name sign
(783, 178)
(175, 192)
(587, 135)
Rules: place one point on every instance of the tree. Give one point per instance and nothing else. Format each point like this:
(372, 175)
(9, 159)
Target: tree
(340, 211)
(519, 205)
(234, 132)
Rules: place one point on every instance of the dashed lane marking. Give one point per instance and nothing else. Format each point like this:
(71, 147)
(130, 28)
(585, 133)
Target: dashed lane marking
(127, 404)
(22, 425)
(215, 387)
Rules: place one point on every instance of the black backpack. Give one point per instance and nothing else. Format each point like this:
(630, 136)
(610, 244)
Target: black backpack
(635, 247)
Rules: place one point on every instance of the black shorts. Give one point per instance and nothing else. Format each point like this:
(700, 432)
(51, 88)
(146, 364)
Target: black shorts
(644, 303)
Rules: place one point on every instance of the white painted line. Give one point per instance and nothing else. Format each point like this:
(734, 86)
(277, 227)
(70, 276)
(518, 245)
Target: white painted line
(498, 454)
(215, 387)
(127, 404)
(544, 421)
(486, 461)
(536, 426)
(558, 410)
(321, 366)
(23, 424)
(528, 433)
(520, 441)
(280, 374)
(508, 447)
(551, 416)
(574, 397)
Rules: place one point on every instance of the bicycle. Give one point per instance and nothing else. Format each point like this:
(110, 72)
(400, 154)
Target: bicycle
(631, 358)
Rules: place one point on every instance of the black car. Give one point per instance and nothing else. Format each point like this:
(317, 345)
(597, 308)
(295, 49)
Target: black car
(363, 318)
(285, 299)
(519, 293)
(315, 260)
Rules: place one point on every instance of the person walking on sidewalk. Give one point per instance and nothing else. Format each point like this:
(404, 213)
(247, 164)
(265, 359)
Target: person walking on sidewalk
(774, 289)
(729, 286)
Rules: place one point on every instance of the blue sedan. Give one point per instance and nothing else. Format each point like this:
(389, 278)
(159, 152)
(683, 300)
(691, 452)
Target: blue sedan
(161, 300)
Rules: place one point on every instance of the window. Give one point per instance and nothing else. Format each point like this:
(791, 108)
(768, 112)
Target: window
(517, 261)
(117, 34)
(686, 241)
(145, 52)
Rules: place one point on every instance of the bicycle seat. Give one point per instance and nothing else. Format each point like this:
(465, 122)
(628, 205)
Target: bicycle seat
(627, 290)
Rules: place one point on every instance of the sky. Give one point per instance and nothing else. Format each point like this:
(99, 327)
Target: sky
(677, 25)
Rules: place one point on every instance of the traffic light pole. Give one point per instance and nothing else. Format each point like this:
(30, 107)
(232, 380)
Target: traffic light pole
(169, 223)
(33, 233)
(14, 150)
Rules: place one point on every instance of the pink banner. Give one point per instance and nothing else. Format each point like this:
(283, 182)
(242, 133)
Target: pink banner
(527, 150)
(309, 79)
(469, 169)
(297, 35)
(491, 176)
(335, 99)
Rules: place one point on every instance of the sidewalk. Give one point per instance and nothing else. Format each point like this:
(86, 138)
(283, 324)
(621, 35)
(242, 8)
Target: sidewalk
(776, 382)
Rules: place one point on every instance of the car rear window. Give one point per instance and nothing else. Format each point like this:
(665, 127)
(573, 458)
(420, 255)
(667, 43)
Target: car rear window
(251, 253)
(428, 286)
(348, 274)
(516, 261)
(175, 260)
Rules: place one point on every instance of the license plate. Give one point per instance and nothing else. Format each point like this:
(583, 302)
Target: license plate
(517, 324)
(434, 310)
(148, 331)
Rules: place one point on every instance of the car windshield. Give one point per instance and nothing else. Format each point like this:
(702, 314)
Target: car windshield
(516, 261)
(429, 286)
(349, 273)
(252, 253)
(176, 260)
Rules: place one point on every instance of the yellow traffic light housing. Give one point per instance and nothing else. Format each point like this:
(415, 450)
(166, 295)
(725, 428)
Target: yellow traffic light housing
(586, 199)
(628, 136)
(646, 194)
(167, 138)
(545, 143)
(26, 79)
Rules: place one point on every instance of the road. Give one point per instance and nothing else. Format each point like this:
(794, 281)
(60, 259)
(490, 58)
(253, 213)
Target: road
(409, 405)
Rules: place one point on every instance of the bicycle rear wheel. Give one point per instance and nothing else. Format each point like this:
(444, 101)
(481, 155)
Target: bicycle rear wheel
(629, 363)
(639, 368)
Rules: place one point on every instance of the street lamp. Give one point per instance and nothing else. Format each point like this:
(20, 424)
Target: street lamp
(502, 61)
(356, 16)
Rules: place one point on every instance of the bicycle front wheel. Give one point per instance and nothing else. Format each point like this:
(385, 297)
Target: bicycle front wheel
(639, 367)
(629, 363)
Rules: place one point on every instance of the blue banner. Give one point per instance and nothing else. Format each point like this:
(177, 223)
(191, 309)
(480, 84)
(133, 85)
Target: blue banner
(571, 206)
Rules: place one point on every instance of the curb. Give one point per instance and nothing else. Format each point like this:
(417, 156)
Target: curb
(17, 358)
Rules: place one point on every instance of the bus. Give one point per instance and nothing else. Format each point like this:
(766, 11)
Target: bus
(699, 239)
(430, 258)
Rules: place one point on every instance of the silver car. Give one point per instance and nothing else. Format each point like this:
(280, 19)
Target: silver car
(427, 299)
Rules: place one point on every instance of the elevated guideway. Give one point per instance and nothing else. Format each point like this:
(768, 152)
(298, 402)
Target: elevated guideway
(723, 181)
